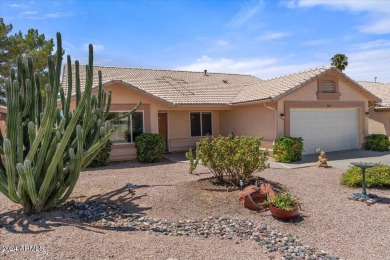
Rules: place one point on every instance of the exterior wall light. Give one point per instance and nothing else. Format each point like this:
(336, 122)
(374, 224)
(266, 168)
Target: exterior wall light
(282, 115)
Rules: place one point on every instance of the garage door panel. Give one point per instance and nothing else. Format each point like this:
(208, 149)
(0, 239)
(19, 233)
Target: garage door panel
(329, 130)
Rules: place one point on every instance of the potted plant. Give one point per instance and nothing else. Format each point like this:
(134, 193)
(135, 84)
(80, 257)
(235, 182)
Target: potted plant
(284, 206)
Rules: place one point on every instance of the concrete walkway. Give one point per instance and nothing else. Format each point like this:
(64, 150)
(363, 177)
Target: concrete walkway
(341, 160)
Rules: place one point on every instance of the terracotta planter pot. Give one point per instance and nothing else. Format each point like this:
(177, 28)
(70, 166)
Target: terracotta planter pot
(283, 214)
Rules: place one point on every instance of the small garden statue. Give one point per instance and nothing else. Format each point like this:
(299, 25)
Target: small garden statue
(322, 160)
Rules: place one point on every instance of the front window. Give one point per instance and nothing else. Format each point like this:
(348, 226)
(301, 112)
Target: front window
(128, 127)
(200, 123)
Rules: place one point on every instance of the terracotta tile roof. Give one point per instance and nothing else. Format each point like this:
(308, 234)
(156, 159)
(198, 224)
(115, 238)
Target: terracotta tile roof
(381, 90)
(187, 87)
(277, 87)
(177, 87)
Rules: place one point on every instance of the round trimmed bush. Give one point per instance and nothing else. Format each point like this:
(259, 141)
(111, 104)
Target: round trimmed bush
(150, 147)
(377, 142)
(378, 176)
(288, 149)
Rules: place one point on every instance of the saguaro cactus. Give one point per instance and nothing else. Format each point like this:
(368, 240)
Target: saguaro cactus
(47, 145)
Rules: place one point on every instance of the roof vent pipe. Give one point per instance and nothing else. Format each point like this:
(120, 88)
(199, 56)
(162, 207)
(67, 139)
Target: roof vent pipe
(375, 79)
(205, 72)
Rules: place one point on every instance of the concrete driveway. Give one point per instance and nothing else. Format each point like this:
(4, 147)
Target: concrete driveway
(341, 160)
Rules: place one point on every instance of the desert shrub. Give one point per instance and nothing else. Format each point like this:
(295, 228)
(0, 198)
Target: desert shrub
(377, 142)
(285, 201)
(288, 149)
(150, 147)
(378, 176)
(236, 158)
(102, 157)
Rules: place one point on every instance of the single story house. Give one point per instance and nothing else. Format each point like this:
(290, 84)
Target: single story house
(324, 106)
(379, 114)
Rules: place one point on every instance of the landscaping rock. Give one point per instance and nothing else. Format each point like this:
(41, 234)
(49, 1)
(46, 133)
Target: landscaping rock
(272, 239)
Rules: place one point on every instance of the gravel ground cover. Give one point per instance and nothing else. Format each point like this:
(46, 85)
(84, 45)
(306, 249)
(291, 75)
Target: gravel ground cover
(173, 215)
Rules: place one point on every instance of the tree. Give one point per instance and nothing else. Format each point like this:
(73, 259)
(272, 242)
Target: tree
(32, 45)
(340, 61)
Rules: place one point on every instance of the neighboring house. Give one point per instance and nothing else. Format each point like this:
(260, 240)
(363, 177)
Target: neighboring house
(323, 105)
(379, 117)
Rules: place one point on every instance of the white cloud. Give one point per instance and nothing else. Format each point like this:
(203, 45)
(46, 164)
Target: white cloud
(316, 42)
(228, 65)
(365, 64)
(222, 43)
(36, 16)
(29, 13)
(377, 12)
(246, 12)
(372, 44)
(380, 26)
(273, 35)
(18, 6)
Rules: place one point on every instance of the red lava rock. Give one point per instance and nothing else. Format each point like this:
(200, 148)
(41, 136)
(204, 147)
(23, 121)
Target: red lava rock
(258, 195)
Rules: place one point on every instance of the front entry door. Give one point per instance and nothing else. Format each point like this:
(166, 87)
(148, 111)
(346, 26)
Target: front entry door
(163, 128)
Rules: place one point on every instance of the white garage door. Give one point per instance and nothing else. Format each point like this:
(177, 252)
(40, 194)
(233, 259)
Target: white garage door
(329, 130)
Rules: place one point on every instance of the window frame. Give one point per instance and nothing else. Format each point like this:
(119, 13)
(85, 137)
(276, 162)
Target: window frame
(201, 123)
(131, 124)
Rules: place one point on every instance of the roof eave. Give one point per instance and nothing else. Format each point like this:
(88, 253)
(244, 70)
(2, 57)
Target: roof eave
(252, 102)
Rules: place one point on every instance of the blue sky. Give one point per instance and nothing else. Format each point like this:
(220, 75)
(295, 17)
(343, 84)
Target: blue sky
(261, 38)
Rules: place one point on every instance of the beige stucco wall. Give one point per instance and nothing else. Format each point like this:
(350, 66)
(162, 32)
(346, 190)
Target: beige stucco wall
(179, 134)
(379, 122)
(253, 120)
(349, 93)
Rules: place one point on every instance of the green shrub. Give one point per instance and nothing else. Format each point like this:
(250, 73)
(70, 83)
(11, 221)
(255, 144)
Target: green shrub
(288, 149)
(236, 158)
(378, 176)
(102, 157)
(285, 201)
(377, 142)
(150, 147)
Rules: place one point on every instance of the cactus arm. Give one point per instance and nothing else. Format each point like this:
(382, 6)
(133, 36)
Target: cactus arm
(62, 98)
(31, 132)
(108, 104)
(74, 175)
(3, 182)
(25, 172)
(19, 140)
(38, 105)
(78, 87)
(66, 137)
(100, 90)
(11, 172)
(90, 154)
(28, 98)
(33, 106)
(12, 91)
(70, 82)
